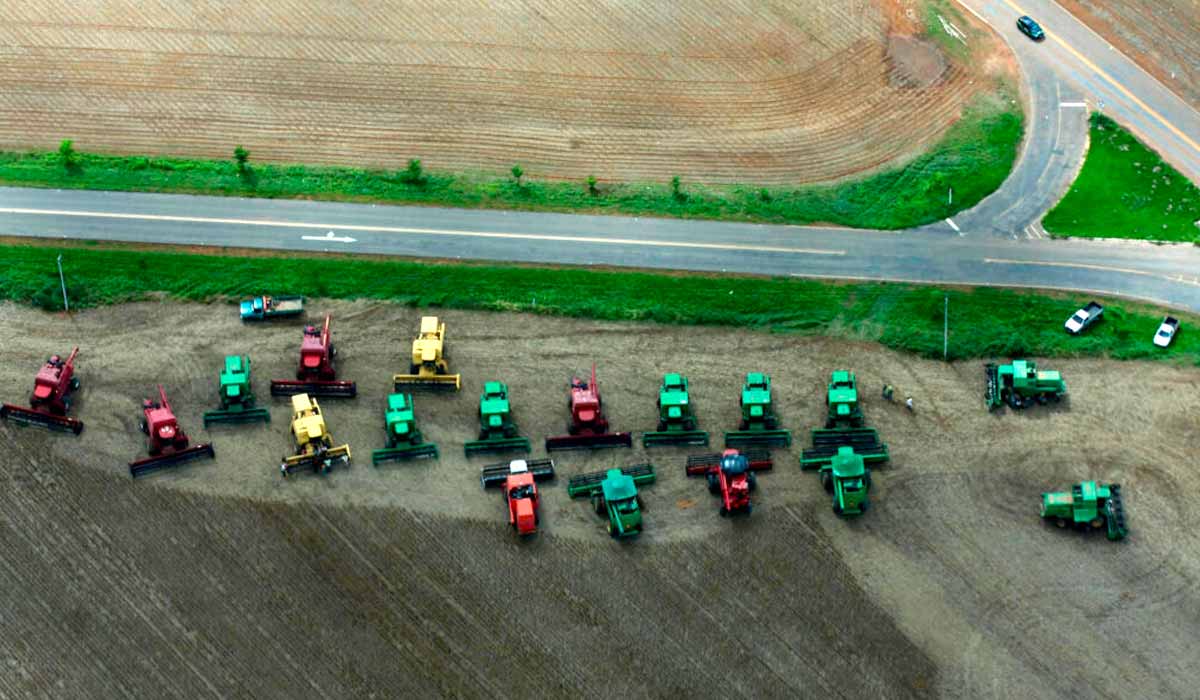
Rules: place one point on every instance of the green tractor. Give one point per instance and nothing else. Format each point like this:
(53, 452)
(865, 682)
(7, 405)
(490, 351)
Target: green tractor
(1087, 505)
(614, 495)
(676, 418)
(497, 431)
(404, 440)
(237, 400)
(1020, 384)
(759, 426)
(842, 401)
(848, 479)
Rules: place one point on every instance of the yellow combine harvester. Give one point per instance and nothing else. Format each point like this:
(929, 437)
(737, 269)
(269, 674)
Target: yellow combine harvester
(428, 369)
(314, 444)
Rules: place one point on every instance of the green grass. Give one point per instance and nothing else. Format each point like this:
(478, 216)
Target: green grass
(1125, 190)
(983, 322)
(974, 157)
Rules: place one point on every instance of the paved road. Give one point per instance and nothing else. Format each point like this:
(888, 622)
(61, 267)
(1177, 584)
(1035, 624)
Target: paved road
(1107, 79)
(998, 243)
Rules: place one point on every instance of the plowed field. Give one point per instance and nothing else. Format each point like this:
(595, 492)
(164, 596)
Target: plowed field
(224, 579)
(741, 91)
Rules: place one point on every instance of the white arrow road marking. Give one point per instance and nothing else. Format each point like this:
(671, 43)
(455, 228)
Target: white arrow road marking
(329, 237)
(425, 231)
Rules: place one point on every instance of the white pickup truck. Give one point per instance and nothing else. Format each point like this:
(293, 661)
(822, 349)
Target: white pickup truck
(1084, 318)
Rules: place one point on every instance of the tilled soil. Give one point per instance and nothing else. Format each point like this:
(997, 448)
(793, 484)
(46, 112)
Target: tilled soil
(223, 578)
(732, 91)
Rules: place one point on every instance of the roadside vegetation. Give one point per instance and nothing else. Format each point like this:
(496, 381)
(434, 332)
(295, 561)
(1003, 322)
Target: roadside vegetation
(983, 322)
(1125, 190)
(973, 158)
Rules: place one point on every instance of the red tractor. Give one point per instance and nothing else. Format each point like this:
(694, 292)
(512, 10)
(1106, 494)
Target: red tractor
(316, 374)
(51, 398)
(168, 444)
(518, 478)
(730, 476)
(587, 428)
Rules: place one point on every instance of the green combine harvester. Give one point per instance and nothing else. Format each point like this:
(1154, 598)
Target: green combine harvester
(404, 440)
(614, 495)
(676, 419)
(841, 400)
(1021, 384)
(1087, 505)
(497, 431)
(237, 400)
(759, 426)
(848, 479)
(826, 443)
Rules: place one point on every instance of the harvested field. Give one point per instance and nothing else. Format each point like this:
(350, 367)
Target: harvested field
(742, 91)
(1162, 36)
(222, 578)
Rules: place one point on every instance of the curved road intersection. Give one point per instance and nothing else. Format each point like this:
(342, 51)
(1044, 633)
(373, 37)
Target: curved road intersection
(999, 242)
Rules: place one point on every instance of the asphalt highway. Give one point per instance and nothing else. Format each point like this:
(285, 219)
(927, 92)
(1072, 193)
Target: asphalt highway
(999, 242)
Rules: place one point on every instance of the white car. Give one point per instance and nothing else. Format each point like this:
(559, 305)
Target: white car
(1166, 332)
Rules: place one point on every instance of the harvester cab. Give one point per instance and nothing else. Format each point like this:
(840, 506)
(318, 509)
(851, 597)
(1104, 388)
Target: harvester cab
(237, 400)
(730, 476)
(428, 368)
(316, 374)
(497, 431)
(614, 496)
(759, 425)
(1021, 384)
(842, 400)
(1088, 505)
(404, 440)
(314, 444)
(518, 479)
(167, 443)
(848, 479)
(587, 427)
(53, 387)
(676, 417)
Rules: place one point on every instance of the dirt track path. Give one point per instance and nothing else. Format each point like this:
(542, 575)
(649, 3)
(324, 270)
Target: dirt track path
(405, 577)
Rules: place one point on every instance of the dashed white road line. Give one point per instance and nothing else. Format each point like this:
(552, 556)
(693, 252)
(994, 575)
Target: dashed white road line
(954, 225)
(1073, 104)
(330, 228)
(1088, 266)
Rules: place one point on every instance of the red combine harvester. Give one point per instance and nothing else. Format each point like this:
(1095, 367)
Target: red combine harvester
(730, 476)
(518, 479)
(51, 397)
(588, 428)
(316, 375)
(168, 444)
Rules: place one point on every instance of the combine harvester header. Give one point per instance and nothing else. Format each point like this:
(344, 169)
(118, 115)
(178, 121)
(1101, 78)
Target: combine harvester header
(51, 398)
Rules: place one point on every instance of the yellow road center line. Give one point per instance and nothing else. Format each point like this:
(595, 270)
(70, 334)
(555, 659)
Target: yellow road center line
(1145, 107)
(426, 231)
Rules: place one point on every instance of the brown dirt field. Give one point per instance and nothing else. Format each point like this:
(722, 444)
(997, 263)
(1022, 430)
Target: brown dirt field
(741, 91)
(222, 578)
(1162, 36)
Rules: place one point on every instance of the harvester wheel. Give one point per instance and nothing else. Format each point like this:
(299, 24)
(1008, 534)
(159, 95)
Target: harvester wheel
(752, 481)
(724, 512)
(689, 424)
(1041, 398)
(1097, 523)
(598, 504)
(1060, 522)
(640, 505)
(662, 426)
(74, 383)
(826, 482)
(142, 426)
(572, 429)
(713, 485)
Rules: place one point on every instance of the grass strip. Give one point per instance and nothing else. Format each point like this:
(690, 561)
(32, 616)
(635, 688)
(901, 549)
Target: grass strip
(984, 322)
